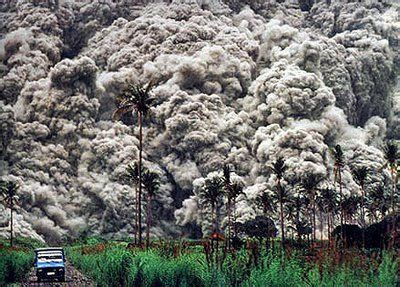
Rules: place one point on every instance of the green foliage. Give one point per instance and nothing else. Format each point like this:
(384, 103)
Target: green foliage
(14, 265)
(117, 266)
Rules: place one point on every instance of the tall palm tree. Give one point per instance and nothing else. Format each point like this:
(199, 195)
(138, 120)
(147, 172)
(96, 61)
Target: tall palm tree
(151, 184)
(377, 202)
(295, 208)
(360, 175)
(132, 176)
(211, 195)
(136, 99)
(329, 205)
(278, 168)
(350, 206)
(338, 157)
(8, 192)
(391, 153)
(310, 185)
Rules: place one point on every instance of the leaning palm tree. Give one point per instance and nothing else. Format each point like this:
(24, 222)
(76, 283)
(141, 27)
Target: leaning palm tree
(151, 185)
(310, 185)
(136, 99)
(8, 192)
(338, 157)
(278, 168)
(360, 175)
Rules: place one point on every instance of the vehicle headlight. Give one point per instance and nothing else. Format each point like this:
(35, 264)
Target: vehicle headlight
(40, 270)
(60, 269)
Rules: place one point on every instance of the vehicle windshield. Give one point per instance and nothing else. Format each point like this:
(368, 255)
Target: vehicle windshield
(50, 258)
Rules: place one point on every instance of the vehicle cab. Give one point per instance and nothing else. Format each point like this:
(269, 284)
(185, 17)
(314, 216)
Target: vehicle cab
(50, 263)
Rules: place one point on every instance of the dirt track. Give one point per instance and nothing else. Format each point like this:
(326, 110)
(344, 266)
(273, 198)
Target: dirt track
(72, 278)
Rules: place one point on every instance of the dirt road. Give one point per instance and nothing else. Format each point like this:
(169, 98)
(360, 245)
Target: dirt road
(72, 278)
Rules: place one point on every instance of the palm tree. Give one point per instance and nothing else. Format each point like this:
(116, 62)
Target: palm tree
(295, 207)
(136, 99)
(278, 168)
(350, 206)
(310, 185)
(8, 192)
(132, 176)
(232, 191)
(151, 184)
(377, 202)
(391, 155)
(360, 175)
(328, 203)
(338, 157)
(211, 195)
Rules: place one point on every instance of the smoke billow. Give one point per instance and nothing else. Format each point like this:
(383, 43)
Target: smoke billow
(239, 82)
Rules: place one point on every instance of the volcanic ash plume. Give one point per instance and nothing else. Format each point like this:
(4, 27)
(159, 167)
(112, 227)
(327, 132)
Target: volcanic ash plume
(238, 82)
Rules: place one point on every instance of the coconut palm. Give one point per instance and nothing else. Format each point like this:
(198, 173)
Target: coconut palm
(211, 194)
(391, 153)
(151, 184)
(310, 185)
(338, 157)
(266, 202)
(377, 202)
(278, 168)
(328, 203)
(360, 175)
(8, 193)
(295, 208)
(132, 176)
(350, 206)
(232, 190)
(136, 99)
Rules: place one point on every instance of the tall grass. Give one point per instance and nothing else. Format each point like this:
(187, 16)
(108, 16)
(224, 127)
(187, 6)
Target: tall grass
(114, 265)
(14, 265)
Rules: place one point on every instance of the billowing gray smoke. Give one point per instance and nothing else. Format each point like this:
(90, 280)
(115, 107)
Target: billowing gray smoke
(239, 83)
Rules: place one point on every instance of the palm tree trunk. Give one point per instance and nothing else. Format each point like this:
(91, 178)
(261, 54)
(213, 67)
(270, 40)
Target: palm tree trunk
(140, 115)
(393, 231)
(340, 203)
(12, 223)
(229, 224)
(281, 214)
(148, 221)
(363, 215)
(314, 219)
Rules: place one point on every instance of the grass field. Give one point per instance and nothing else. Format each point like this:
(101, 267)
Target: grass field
(170, 264)
(112, 264)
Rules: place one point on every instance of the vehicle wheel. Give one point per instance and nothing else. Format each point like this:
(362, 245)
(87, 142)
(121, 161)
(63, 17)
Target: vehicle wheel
(62, 279)
(39, 279)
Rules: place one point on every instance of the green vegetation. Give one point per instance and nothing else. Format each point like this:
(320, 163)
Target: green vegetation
(16, 262)
(112, 264)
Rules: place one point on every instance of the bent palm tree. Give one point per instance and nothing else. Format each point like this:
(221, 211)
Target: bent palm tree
(151, 184)
(136, 99)
(8, 192)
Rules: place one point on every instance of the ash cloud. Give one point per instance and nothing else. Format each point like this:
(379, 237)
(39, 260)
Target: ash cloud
(239, 82)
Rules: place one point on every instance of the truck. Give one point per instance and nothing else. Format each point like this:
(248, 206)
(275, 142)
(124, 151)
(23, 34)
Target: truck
(50, 264)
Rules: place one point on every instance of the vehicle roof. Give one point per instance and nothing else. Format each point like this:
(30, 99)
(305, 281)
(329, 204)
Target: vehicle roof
(49, 248)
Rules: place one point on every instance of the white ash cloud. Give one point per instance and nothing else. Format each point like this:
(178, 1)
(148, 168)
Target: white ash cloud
(238, 82)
